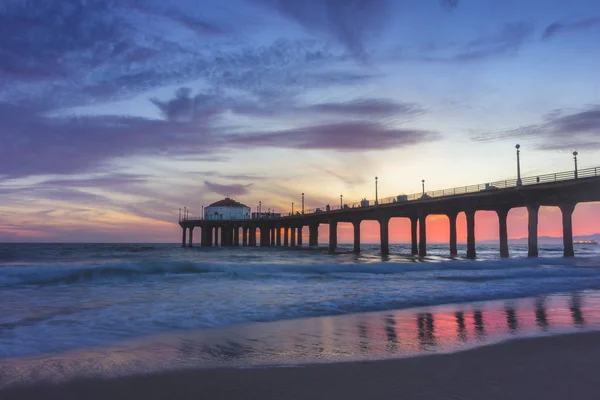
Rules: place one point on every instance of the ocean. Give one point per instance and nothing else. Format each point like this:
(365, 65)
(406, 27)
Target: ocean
(60, 300)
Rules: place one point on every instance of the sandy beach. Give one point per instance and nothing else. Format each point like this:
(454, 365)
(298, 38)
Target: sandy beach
(557, 367)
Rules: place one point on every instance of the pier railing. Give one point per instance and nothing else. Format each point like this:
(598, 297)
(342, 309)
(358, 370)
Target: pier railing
(482, 187)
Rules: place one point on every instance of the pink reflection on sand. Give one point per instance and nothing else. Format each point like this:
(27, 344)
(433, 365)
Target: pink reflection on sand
(365, 336)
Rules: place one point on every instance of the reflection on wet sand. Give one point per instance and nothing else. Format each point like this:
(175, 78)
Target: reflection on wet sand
(374, 335)
(426, 331)
(461, 330)
(541, 316)
(390, 331)
(511, 318)
(575, 307)
(479, 328)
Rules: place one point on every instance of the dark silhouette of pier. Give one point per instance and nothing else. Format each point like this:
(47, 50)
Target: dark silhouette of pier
(564, 190)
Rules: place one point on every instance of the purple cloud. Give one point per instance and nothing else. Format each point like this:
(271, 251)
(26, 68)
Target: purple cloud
(559, 28)
(62, 53)
(370, 107)
(449, 5)
(227, 190)
(350, 22)
(559, 130)
(109, 181)
(344, 136)
(185, 108)
(506, 41)
(34, 144)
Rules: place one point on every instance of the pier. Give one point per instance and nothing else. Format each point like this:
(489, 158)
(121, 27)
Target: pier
(563, 190)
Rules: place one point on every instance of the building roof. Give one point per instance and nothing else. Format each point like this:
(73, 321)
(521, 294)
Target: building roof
(227, 202)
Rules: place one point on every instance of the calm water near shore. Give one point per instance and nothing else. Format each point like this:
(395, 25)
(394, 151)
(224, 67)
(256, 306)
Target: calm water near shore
(108, 309)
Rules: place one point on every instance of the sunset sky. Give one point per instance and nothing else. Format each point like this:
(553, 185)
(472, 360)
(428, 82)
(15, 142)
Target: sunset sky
(114, 114)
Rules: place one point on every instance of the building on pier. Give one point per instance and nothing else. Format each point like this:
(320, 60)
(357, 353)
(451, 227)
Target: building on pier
(226, 209)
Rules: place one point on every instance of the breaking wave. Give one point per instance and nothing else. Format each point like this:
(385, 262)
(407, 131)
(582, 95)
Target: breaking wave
(445, 270)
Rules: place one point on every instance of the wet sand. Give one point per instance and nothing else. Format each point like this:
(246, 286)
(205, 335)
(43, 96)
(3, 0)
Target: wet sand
(557, 367)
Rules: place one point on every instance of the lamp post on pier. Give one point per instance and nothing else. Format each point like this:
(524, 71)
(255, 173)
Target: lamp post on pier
(341, 201)
(184, 213)
(376, 196)
(575, 160)
(423, 185)
(292, 208)
(519, 181)
(302, 203)
(180, 215)
(202, 212)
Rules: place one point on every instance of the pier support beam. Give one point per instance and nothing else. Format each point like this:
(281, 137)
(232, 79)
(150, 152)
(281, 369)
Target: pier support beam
(191, 239)
(313, 235)
(453, 246)
(356, 225)
(183, 237)
(502, 225)
(413, 236)
(286, 238)
(567, 223)
(223, 241)
(208, 235)
(236, 235)
(278, 236)
(252, 236)
(244, 236)
(293, 237)
(272, 236)
(226, 236)
(471, 253)
(384, 236)
(422, 235)
(230, 233)
(300, 236)
(264, 237)
(332, 236)
(203, 235)
(533, 211)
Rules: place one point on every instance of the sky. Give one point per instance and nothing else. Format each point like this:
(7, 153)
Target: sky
(115, 114)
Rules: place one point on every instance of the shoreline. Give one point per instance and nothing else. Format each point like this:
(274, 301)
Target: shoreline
(334, 340)
(553, 367)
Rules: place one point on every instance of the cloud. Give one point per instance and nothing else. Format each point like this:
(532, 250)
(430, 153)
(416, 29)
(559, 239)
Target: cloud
(508, 40)
(559, 28)
(449, 5)
(62, 53)
(186, 108)
(34, 144)
(369, 107)
(37, 144)
(227, 190)
(111, 180)
(350, 22)
(559, 130)
(344, 136)
(56, 193)
(349, 180)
